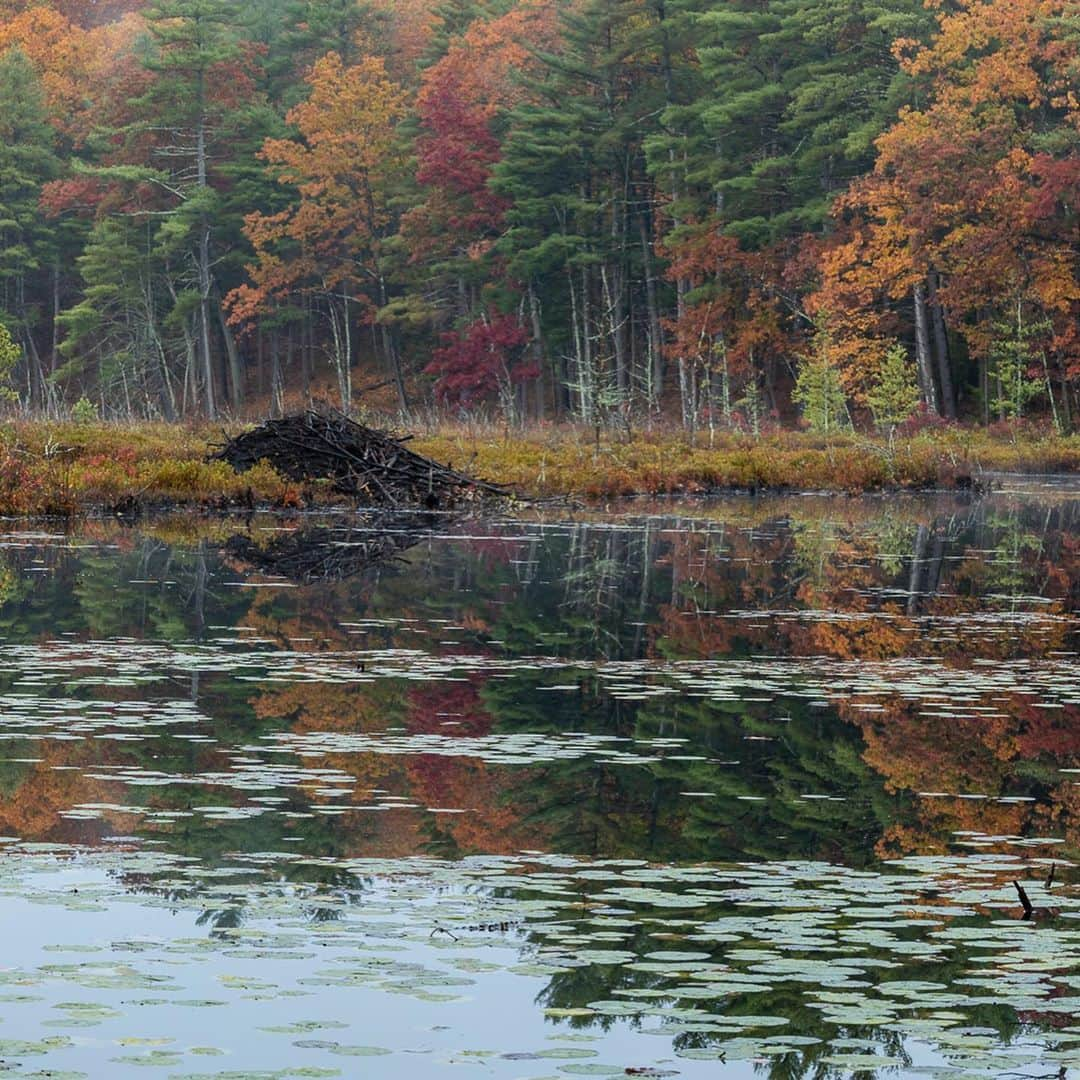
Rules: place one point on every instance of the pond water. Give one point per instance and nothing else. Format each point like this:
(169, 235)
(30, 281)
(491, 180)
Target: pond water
(729, 789)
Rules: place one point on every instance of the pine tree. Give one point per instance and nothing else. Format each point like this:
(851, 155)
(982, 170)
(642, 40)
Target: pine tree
(895, 396)
(818, 387)
(795, 92)
(119, 322)
(573, 166)
(27, 161)
(195, 41)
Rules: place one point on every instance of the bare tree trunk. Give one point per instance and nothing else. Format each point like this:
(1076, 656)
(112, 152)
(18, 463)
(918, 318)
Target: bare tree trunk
(236, 366)
(393, 353)
(204, 262)
(579, 362)
(588, 372)
(54, 357)
(618, 333)
(941, 348)
(190, 398)
(306, 350)
(38, 387)
(537, 346)
(923, 360)
(656, 341)
(686, 375)
(277, 406)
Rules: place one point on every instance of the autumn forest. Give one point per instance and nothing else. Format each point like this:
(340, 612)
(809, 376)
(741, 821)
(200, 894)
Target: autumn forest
(735, 213)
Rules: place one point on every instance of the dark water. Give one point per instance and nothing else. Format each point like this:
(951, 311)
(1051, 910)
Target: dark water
(737, 789)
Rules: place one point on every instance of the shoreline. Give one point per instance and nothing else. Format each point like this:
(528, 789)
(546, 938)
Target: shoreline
(65, 470)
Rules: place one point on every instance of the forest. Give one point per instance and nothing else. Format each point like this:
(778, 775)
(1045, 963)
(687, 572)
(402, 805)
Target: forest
(726, 213)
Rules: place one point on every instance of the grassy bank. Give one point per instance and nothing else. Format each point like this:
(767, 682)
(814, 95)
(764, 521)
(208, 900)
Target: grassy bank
(67, 468)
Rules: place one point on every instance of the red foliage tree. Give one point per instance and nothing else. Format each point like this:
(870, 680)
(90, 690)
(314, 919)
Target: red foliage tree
(482, 360)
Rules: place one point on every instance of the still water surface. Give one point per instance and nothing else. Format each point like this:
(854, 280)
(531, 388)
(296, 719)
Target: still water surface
(738, 789)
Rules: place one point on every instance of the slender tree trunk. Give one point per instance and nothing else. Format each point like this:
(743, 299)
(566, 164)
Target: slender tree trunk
(306, 349)
(923, 360)
(346, 321)
(579, 366)
(289, 340)
(588, 372)
(617, 302)
(618, 329)
(941, 348)
(260, 362)
(54, 355)
(537, 346)
(276, 402)
(38, 388)
(656, 341)
(685, 374)
(204, 262)
(190, 399)
(236, 364)
(393, 353)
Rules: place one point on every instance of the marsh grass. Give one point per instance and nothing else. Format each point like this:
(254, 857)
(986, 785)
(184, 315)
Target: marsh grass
(63, 469)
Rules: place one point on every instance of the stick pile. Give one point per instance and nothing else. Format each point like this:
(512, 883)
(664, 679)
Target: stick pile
(365, 463)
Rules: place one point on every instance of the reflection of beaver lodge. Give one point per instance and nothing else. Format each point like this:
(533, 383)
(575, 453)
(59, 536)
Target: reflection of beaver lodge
(358, 461)
(320, 554)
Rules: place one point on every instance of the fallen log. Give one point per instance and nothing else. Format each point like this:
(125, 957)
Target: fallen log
(358, 461)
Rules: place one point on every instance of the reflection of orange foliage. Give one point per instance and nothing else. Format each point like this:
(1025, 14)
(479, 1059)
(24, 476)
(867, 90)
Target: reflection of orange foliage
(326, 706)
(921, 753)
(844, 576)
(449, 709)
(492, 823)
(311, 623)
(917, 752)
(33, 811)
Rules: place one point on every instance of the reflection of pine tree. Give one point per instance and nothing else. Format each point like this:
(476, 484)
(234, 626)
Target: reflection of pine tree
(758, 809)
(623, 810)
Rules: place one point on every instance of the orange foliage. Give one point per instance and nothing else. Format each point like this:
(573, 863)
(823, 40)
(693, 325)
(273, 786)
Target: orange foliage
(964, 187)
(77, 66)
(346, 150)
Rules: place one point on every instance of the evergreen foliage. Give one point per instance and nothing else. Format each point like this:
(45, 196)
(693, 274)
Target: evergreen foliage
(200, 214)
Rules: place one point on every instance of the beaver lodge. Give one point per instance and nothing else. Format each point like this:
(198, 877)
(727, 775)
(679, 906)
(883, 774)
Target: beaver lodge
(364, 463)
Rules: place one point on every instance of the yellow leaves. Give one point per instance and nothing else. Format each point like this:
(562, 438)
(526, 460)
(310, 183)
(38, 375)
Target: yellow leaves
(355, 107)
(989, 51)
(961, 184)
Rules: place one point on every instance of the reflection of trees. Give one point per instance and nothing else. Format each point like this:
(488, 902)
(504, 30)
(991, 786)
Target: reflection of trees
(880, 588)
(324, 893)
(612, 590)
(577, 987)
(965, 767)
(757, 769)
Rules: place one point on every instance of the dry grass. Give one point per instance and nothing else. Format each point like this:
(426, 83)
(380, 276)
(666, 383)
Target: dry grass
(567, 461)
(68, 468)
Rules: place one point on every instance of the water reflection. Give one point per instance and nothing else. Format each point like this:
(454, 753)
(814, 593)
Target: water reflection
(806, 690)
(465, 696)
